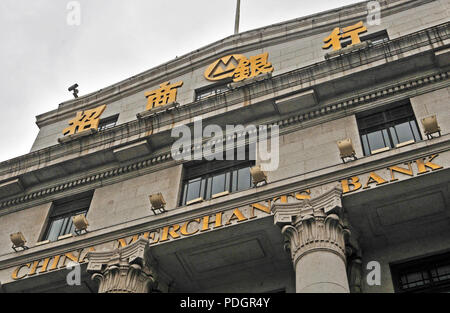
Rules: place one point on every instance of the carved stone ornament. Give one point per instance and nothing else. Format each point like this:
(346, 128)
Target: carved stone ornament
(355, 275)
(124, 270)
(313, 225)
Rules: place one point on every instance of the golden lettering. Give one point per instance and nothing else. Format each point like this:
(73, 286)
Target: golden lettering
(123, 243)
(353, 31)
(166, 94)
(303, 195)
(170, 230)
(37, 264)
(283, 199)
(239, 67)
(71, 257)
(346, 184)
(259, 207)
(422, 167)
(236, 215)
(84, 120)
(154, 237)
(223, 68)
(402, 170)
(83, 257)
(217, 222)
(54, 265)
(15, 274)
(374, 178)
(184, 228)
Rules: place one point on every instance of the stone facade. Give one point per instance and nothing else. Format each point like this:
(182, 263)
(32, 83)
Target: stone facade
(303, 231)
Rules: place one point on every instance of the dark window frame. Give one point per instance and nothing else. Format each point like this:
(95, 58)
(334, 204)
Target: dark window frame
(64, 209)
(388, 126)
(374, 38)
(108, 122)
(427, 268)
(206, 178)
(212, 90)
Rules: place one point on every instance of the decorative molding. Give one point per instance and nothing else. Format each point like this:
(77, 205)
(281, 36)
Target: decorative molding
(432, 38)
(314, 225)
(246, 41)
(77, 136)
(124, 270)
(364, 98)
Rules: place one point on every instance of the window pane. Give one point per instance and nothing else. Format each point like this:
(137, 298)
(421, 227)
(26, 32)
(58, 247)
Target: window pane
(244, 179)
(193, 189)
(394, 136)
(365, 145)
(64, 226)
(234, 181)
(415, 130)
(227, 181)
(202, 188)
(54, 230)
(441, 273)
(183, 201)
(387, 141)
(208, 188)
(218, 184)
(404, 132)
(71, 229)
(375, 140)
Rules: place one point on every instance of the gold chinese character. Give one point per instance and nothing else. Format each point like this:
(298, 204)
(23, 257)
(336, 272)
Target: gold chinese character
(162, 96)
(84, 120)
(248, 68)
(223, 68)
(335, 37)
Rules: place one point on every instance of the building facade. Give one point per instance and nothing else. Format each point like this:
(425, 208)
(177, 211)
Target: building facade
(356, 107)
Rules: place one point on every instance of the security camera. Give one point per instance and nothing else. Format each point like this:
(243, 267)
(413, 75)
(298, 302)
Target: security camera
(74, 89)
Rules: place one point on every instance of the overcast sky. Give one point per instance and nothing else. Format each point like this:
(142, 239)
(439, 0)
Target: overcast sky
(41, 55)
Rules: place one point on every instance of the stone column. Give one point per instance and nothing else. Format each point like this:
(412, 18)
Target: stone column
(124, 270)
(315, 236)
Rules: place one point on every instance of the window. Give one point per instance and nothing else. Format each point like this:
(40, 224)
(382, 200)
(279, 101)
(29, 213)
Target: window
(394, 127)
(431, 274)
(215, 178)
(374, 38)
(60, 220)
(209, 91)
(108, 123)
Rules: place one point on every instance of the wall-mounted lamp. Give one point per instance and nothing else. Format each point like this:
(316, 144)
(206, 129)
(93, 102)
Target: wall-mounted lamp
(346, 149)
(18, 241)
(258, 175)
(81, 224)
(158, 203)
(430, 126)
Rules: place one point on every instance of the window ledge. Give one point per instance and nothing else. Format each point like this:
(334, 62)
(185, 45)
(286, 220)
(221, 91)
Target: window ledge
(379, 150)
(406, 143)
(76, 136)
(220, 194)
(194, 201)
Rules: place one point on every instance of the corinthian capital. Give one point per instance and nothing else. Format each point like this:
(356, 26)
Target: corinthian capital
(312, 225)
(124, 270)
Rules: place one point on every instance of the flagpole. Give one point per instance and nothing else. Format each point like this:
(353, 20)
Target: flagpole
(238, 16)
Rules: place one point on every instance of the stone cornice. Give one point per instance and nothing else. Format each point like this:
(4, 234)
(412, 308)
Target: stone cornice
(165, 160)
(246, 41)
(302, 78)
(274, 189)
